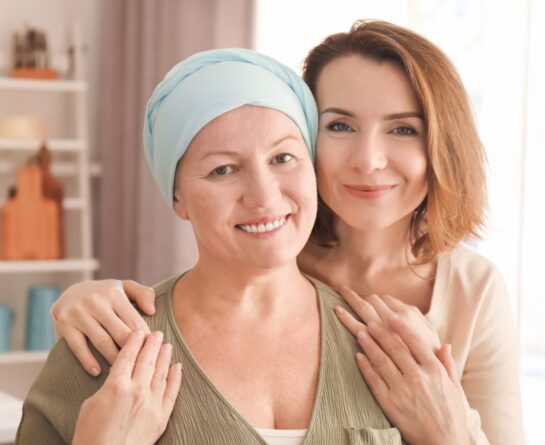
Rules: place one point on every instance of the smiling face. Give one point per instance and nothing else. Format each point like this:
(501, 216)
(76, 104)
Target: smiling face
(248, 187)
(371, 147)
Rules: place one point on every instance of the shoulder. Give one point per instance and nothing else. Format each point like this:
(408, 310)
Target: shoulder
(327, 295)
(163, 293)
(164, 288)
(469, 275)
(467, 262)
(470, 296)
(329, 300)
(53, 402)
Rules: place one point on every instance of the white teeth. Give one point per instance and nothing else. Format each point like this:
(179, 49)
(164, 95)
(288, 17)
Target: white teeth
(263, 228)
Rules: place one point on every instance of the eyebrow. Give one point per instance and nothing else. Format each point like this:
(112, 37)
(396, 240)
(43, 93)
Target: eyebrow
(221, 153)
(237, 155)
(388, 117)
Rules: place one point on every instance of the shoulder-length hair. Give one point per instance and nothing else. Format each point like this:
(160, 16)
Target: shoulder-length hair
(454, 208)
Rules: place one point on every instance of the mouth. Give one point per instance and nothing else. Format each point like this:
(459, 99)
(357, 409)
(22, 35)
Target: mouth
(368, 191)
(263, 225)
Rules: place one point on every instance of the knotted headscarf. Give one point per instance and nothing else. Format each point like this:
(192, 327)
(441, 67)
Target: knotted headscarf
(208, 84)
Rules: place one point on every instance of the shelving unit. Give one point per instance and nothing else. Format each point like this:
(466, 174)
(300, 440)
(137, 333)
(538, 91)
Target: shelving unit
(43, 85)
(70, 162)
(54, 145)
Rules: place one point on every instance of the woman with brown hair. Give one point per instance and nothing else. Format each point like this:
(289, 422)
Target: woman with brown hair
(401, 177)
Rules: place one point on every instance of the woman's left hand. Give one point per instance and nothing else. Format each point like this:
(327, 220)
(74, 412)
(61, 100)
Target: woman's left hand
(381, 309)
(413, 378)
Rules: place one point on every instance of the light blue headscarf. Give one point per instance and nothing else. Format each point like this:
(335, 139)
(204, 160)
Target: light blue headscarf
(208, 84)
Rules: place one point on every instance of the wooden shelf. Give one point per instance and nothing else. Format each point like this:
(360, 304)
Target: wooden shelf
(58, 168)
(67, 203)
(20, 357)
(66, 265)
(8, 83)
(35, 144)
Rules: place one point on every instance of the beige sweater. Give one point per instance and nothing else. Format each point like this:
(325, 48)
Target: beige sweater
(344, 412)
(470, 309)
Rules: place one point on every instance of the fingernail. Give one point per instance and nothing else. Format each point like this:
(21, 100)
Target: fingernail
(168, 348)
(178, 367)
(340, 310)
(158, 335)
(95, 372)
(359, 356)
(140, 333)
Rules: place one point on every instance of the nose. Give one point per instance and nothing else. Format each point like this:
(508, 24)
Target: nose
(262, 189)
(369, 152)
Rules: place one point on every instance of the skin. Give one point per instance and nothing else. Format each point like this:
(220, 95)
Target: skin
(371, 161)
(380, 141)
(363, 143)
(136, 401)
(236, 308)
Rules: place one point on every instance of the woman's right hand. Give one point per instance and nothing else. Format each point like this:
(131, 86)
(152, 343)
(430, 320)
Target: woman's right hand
(102, 312)
(136, 401)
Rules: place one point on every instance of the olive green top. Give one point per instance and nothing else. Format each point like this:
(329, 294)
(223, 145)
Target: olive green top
(344, 411)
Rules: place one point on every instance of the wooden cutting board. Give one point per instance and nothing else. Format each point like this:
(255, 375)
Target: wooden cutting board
(52, 188)
(30, 221)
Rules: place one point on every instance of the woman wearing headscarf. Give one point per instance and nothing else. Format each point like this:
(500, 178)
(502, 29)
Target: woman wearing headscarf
(229, 136)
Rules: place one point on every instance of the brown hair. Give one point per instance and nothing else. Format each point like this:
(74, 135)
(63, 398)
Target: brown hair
(454, 208)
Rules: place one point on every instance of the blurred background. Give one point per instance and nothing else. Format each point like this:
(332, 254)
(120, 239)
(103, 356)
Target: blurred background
(84, 70)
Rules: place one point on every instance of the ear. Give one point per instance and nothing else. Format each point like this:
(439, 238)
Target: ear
(179, 207)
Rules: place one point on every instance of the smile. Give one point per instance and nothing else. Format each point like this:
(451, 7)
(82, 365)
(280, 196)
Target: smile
(368, 191)
(263, 227)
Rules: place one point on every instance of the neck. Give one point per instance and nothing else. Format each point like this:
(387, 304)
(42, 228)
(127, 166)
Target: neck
(230, 292)
(375, 251)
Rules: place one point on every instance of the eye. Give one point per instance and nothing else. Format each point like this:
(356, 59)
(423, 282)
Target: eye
(404, 131)
(282, 158)
(223, 170)
(339, 126)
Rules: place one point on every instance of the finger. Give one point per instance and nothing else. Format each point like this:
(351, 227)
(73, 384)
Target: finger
(129, 314)
(361, 307)
(445, 357)
(100, 339)
(391, 344)
(147, 359)
(126, 359)
(382, 364)
(395, 304)
(416, 318)
(174, 381)
(348, 320)
(144, 296)
(115, 326)
(159, 380)
(382, 309)
(78, 344)
(420, 350)
(378, 386)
